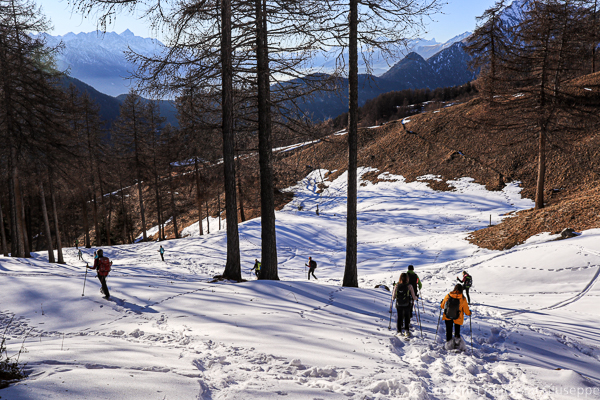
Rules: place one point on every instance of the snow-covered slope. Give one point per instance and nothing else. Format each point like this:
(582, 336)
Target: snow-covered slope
(169, 333)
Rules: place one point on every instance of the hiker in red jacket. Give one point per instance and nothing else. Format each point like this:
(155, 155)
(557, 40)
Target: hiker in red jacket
(102, 265)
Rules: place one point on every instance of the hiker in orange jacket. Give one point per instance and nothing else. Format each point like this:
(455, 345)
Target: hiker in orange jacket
(455, 307)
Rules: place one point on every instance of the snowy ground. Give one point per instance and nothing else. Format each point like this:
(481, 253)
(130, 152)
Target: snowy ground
(168, 333)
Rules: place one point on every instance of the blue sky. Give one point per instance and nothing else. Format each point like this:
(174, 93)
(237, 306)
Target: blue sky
(458, 17)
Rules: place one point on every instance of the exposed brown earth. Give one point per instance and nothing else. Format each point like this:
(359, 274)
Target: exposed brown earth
(473, 139)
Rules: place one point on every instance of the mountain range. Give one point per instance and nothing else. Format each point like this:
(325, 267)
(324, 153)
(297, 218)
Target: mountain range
(99, 62)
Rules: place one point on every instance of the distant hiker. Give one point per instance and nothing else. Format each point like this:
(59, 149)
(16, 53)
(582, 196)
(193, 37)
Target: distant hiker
(455, 308)
(414, 280)
(162, 253)
(404, 296)
(312, 265)
(256, 267)
(95, 255)
(102, 265)
(467, 282)
(79, 255)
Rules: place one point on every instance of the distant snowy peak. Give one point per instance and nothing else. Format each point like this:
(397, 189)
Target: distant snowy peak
(429, 50)
(512, 15)
(99, 58)
(107, 40)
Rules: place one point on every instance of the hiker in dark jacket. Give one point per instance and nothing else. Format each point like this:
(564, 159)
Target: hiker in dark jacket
(162, 253)
(458, 306)
(414, 280)
(102, 265)
(466, 281)
(404, 296)
(256, 267)
(312, 265)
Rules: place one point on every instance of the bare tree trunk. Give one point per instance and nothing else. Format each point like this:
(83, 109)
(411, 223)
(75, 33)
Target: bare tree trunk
(174, 206)
(95, 215)
(539, 192)
(123, 211)
(46, 222)
(21, 215)
(103, 208)
(56, 228)
(350, 272)
(3, 233)
(268, 268)
(28, 223)
(16, 248)
(219, 209)
(594, 33)
(232, 267)
(142, 213)
(37, 238)
(198, 199)
(239, 183)
(86, 225)
(207, 216)
(158, 207)
(109, 218)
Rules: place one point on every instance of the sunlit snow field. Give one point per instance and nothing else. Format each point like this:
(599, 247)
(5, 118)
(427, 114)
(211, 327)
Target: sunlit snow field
(168, 333)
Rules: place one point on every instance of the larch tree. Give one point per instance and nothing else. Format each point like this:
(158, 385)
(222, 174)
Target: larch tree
(32, 106)
(489, 47)
(549, 47)
(130, 132)
(361, 27)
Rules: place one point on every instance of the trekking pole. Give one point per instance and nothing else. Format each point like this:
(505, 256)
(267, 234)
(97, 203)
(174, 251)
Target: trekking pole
(85, 278)
(438, 325)
(419, 318)
(471, 328)
(391, 314)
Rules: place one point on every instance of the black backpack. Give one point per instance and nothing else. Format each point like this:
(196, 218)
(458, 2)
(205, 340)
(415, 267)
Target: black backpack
(413, 279)
(402, 295)
(452, 308)
(312, 264)
(468, 282)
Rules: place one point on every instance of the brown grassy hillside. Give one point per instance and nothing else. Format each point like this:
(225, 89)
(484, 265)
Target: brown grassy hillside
(487, 143)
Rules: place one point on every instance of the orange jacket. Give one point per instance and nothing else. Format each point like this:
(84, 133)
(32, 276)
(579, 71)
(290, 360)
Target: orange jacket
(464, 307)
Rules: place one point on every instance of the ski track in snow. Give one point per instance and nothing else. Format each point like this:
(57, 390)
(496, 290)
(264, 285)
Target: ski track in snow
(194, 339)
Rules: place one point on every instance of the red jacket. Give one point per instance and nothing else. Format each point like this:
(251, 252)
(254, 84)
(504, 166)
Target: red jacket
(97, 266)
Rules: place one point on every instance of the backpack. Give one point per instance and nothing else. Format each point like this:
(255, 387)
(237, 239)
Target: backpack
(313, 264)
(402, 295)
(103, 266)
(452, 308)
(413, 280)
(468, 282)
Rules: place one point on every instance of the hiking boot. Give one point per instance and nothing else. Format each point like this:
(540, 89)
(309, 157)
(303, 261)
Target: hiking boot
(456, 342)
(407, 334)
(449, 345)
